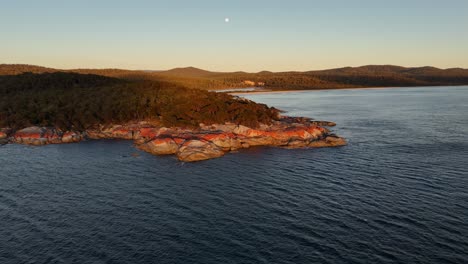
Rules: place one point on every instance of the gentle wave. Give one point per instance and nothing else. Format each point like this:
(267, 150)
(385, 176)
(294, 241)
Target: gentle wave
(395, 194)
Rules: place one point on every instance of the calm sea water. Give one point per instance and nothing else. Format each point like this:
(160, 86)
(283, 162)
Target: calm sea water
(397, 194)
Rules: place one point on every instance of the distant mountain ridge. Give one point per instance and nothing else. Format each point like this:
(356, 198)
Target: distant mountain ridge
(188, 72)
(392, 69)
(364, 76)
(197, 72)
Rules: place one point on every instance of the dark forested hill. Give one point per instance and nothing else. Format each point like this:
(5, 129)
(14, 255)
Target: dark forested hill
(12, 69)
(82, 98)
(365, 76)
(187, 72)
(80, 101)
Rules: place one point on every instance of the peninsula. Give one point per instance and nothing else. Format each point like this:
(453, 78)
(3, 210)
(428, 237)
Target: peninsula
(161, 117)
(173, 113)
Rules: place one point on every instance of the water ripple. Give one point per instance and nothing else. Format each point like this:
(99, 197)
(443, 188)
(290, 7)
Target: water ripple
(396, 194)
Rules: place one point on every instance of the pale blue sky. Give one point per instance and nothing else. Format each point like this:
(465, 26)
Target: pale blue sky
(261, 35)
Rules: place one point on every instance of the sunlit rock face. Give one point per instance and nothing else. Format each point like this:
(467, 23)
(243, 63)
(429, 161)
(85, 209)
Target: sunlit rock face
(3, 135)
(226, 140)
(160, 146)
(213, 141)
(72, 137)
(38, 136)
(197, 150)
(196, 144)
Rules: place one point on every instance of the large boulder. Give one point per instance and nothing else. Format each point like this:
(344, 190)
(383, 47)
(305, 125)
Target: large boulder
(3, 133)
(31, 136)
(160, 146)
(197, 150)
(72, 137)
(280, 135)
(122, 132)
(38, 136)
(226, 141)
(3, 136)
(241, 130)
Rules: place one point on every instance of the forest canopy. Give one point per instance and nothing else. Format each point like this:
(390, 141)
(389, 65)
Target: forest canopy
(80, 101)
(82, 98)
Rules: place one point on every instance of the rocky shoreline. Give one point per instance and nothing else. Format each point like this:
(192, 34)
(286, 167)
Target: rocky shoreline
(205, 142)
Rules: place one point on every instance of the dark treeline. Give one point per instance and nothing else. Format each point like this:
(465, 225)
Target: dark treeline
(365, 76)
(348, 77)
(81, 101)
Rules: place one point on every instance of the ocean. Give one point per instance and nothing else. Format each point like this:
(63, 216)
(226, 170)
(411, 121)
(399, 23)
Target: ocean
(398, 193)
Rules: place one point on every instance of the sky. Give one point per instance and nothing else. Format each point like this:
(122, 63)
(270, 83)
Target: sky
(288, 35)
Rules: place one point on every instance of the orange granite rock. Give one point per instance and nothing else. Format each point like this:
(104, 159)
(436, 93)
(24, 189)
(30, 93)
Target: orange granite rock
(122, 133)
(37, 136)
(72, 137)
(226, 141)
(197, 150)
(150, 132)
(160, 146)
(205, 142)
(3, 135)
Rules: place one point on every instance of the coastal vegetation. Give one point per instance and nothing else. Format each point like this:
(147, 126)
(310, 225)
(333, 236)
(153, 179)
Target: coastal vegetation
(82, 98)
(68, 100)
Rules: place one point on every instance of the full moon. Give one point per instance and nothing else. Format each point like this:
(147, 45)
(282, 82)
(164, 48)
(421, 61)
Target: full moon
(226, 20)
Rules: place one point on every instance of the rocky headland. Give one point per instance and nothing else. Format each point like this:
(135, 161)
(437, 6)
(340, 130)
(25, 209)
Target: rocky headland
(202, 143)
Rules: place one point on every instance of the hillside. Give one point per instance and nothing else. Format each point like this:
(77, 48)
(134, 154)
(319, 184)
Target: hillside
(13, 69)
(347, 77)
(80, 101)
(187, 72)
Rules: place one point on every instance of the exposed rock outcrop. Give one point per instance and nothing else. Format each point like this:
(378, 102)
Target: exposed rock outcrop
(215, 140)
(189, 145)
(42, 136)
(4, 132)
(72, 137)
(329, 141)
(197, 150)
(160, 146)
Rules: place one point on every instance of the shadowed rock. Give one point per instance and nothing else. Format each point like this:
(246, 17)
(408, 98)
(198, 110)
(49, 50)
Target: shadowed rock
(329, 141)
